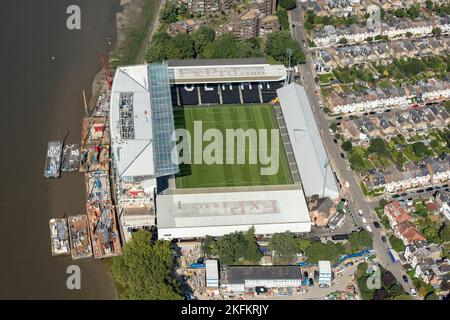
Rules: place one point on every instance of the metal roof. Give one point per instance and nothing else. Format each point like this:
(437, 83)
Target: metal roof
(141, 122)
(238, 274)
(197, 214)
(309, 151)
(133, 156)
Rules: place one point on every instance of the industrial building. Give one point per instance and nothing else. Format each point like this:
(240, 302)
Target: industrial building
(242, 279)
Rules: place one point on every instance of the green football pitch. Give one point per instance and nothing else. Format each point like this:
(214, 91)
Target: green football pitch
(229, 175)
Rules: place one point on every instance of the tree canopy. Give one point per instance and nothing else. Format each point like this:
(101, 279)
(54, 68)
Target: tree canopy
(277, 46)
(235, 248)
(144, 270)
(284, 245)
(360, 240)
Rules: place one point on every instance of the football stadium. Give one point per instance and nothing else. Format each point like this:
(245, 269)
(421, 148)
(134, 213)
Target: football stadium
(192, 200)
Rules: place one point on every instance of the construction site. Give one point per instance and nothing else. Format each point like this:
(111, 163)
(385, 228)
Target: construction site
(94, 232)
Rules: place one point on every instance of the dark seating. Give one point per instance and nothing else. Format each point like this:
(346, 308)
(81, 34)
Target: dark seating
(173, 95)
(250, 92)
(230, 93)
(209, 94)
(188, 94)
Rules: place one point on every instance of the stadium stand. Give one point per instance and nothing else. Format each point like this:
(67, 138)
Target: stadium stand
(250, 92)
(188, 94)
(209, 94)
(174, 95)
(269, 90)
(230, 93)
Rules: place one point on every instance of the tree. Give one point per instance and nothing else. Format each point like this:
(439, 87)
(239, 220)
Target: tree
(378, 146)
(323, 251)
(181, 46)
(356, 162)
(444, 233)
(303, 244)
(436, 31)
(169, 13)
(277, 46)
(145, 268)
(347, 146)
(360, 240)
(396, 243)
(287, 4)
(429, 4)
(343, 41)
(284, 245)
(419, 149)
(225, 46)
(234, 247)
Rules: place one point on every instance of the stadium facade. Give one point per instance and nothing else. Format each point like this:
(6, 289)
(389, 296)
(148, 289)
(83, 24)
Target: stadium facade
(141, 121)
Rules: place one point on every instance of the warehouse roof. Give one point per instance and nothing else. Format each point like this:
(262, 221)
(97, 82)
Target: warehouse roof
(197, 214)
(238, 274)
(131, 133)
(309, 151)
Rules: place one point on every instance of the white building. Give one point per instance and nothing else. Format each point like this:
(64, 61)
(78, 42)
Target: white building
(238, 279)
(218, 212)
(212, 274)
(325, 273)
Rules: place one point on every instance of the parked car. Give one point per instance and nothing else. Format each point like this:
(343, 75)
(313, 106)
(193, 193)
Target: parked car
(405, 278)
(335, 141)
(413, 292)
(383, 238)
(376, 224)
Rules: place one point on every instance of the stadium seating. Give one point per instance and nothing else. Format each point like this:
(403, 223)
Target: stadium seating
(268, 90)
(209, 94)
(188, 94)
(173, 95)
(250, 92)
(230, 93)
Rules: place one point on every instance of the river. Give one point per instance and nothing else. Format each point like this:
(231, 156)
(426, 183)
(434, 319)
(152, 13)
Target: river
(42, 100)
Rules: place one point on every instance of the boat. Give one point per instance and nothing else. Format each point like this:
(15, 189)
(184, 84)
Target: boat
(53, 161)
(71, 158)
(59, 237)
(103, 229)
(80, 241)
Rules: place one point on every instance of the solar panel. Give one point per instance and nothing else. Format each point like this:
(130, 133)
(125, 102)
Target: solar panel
(162, 119)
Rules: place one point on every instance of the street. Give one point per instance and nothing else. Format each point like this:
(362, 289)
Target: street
(339, 165)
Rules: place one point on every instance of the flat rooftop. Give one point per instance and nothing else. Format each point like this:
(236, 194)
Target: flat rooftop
(191, 215)
(238, 274)
(217, 71)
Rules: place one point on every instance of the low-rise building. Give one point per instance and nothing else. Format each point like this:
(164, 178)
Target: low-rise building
(241, 279)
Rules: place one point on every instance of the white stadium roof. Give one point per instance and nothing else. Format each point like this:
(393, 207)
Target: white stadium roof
(132, 157)
(191, 74)
(190, 215)
(309, 152)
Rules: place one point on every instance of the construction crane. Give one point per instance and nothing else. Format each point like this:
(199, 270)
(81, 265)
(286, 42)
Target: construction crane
(106, 73)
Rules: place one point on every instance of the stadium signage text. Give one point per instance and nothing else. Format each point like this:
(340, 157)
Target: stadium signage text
(228, 148)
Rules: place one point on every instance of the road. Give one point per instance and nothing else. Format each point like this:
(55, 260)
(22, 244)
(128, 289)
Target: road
(339, 165)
